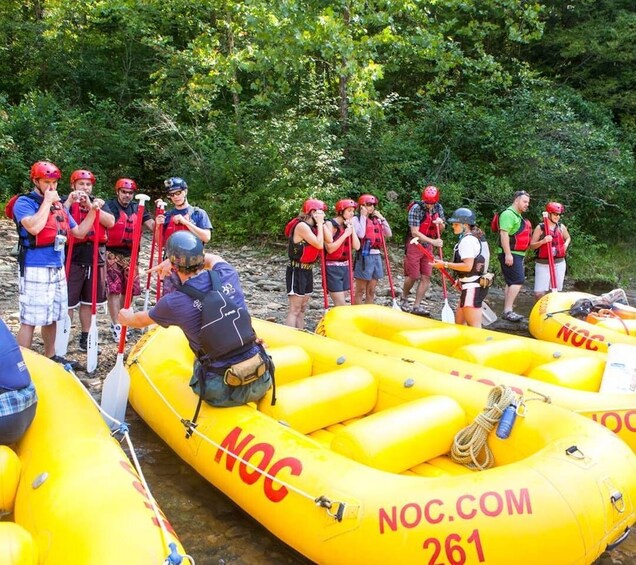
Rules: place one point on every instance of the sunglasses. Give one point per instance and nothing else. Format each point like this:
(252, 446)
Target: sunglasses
(175, 193)
(127, 192)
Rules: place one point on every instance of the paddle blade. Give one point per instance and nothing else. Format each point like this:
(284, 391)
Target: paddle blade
(92, 343)
(487, 314)
(448, 316)
(146, 299)
(395, 305)
(62, 335)
(115, 392)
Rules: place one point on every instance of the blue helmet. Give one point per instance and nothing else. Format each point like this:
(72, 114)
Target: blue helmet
(185, 250)
(174, 184)
(463, 216)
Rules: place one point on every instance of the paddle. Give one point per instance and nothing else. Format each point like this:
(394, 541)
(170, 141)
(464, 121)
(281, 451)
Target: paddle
(93, 336)
(117, 382)
(150, 266)
(448, 316)
(323, 275)
(161, 207)
(352, 296)
(488, 316)
(63, 327)
(395, 305)
(553, 280)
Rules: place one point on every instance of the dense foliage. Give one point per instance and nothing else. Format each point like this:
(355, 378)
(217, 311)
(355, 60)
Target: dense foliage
(261, 104)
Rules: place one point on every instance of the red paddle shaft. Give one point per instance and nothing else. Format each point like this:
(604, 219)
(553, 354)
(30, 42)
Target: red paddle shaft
(429, 255)
(94, 274)
(546, 229)
(142, 198)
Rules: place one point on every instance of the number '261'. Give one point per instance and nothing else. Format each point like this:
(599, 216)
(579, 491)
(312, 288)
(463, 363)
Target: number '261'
(455, 553)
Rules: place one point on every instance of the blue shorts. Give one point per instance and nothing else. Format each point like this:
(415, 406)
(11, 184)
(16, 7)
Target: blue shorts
(369, 267)
(337, 278)
(515, 274)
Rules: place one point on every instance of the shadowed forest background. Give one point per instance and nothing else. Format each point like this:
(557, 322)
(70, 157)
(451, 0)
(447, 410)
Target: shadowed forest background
(260, 104)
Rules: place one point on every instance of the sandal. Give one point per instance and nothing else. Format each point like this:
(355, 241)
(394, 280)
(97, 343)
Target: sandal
(421, 311)
(404, 305)
(512, 316)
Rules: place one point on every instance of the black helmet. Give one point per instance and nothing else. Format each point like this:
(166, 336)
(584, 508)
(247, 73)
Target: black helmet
(173, 184)
(185, 250)
(463, 216)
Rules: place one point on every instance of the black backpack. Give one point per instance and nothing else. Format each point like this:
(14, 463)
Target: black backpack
(226, 329)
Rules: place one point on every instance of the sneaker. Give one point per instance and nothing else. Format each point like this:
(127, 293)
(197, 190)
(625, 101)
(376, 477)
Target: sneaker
(63, 361)
(115, 329)
(404, 305)
(512, 316)
(83, 342)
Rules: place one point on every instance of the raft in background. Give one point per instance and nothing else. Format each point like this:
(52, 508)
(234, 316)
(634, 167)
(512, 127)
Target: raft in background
(550, 320)
(350, 465)
(569, 377)
(78, 500)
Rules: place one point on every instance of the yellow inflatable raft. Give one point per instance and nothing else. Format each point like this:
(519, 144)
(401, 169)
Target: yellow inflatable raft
(550, 320)
(568, 377)
(69, 489)
(351, 465)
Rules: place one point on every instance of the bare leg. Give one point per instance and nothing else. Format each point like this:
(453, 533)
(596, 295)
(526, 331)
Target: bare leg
(25, 336)
(361, 290)
(114, 306)
(370, 299)
(338, 298)
(425, 282)
(510, 295)
(408, 285)
(85, 317)
(48, 337)
(296, 314)
(469, 316)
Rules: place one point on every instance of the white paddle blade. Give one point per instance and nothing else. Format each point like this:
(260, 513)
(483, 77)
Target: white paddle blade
(92, 346)
(62, 335)
(395, 305)
(115, 393)
(448, 316)
(487, 314)
(146, 298)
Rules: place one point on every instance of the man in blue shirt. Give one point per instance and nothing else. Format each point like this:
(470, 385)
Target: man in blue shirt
(44, 226)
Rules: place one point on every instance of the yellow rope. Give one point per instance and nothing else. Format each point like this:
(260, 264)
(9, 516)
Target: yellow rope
(470, 447)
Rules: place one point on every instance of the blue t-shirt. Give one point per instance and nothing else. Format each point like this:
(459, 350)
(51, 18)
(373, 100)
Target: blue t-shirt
(178, 309)
(37, 256)
(198, 217)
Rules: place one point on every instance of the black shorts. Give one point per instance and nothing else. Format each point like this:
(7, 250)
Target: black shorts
(80, 290)
(514, 274)
(300, 281)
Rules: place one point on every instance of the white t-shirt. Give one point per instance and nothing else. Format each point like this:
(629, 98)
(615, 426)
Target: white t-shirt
(469, 247)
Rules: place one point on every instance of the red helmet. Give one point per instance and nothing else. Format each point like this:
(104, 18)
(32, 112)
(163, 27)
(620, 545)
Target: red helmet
(82, 174)
(313, 204)
(343, 204)
(554, 208)
(128, 184)
(45, 170)
(367, 199)
(430, 195)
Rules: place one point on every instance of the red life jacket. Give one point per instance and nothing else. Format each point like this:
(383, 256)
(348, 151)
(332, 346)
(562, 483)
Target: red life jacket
(79, 214)
(342, 253)
(520, 240)
(56, 223)
(301, 252)
(121, 234)
(557, 246)
(170, 227)
(373, 233)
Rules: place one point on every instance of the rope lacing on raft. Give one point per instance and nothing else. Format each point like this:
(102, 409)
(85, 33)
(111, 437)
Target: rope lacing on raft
(470, 446)
(320, 500)
(174, 557)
